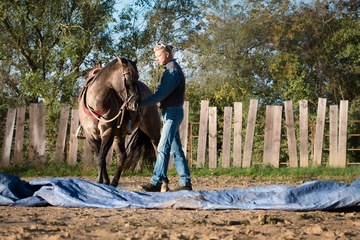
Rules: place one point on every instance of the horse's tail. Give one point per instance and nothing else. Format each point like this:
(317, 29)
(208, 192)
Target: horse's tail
(140, 151)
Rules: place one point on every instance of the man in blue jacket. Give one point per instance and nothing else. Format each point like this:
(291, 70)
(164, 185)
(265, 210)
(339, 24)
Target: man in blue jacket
(171, 94)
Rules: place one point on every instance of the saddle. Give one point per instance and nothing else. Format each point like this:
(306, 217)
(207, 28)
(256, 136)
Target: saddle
(91, 76)
(89, 80)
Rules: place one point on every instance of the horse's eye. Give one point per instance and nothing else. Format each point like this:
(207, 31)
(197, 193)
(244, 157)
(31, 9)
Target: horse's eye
(127, 75)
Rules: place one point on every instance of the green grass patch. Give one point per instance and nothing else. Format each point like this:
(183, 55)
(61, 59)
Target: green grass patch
(255, 172)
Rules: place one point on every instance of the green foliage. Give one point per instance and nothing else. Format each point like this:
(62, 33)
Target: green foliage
(279, 50)
(231, 51)
(45, 47)
(145, 23)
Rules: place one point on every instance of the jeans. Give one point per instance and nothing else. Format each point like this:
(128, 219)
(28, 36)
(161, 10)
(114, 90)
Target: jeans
(170, 143)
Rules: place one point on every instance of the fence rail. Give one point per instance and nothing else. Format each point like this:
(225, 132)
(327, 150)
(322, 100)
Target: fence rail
(304, 140)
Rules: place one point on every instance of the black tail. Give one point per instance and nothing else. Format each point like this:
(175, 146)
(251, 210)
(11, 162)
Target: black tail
(140, 151)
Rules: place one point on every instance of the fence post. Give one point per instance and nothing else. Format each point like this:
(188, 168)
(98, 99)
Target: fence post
(277, 135)
(212, 137)
(304, 133)
(272, 136)
(37, 113)
(9, 131)
(19, 136)
(250, 130)
(333, 135)
(290, 130)
(73, 143)
(343, 122)
(237, 134)
(61, 138)
(184, 127)
(42, 133)
(88, 155)
(204, 115)
(226, 147)
(319, 132)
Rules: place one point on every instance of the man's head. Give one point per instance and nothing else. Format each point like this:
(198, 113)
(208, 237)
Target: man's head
(163, 53)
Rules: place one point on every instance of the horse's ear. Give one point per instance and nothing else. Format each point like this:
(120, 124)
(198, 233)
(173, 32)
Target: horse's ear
(135, 61)
(119, 60)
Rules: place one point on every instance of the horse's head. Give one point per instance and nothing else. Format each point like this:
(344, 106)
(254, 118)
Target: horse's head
(130, 77)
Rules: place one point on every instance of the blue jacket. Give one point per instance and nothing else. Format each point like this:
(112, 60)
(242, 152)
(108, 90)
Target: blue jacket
(171, 90)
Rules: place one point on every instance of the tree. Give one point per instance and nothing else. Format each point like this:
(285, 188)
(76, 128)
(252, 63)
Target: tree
(313, 57)
(47, 46)
(145, 23)
(280, 50)
(46, 49)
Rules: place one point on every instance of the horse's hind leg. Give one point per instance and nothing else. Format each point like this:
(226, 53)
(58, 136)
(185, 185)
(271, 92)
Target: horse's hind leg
(120, 150)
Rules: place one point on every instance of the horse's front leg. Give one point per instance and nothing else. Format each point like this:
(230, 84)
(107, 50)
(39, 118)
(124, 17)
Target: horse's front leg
(106, 143)
(121, 155)
(103, 176)
(95, 146)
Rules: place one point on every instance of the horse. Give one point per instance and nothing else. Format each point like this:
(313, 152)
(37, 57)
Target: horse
(108, 101)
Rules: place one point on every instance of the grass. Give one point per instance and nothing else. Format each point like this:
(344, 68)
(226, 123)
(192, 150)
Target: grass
(255, 172)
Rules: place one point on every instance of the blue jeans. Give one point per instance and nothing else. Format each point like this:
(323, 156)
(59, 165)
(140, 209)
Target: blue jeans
(170, 143)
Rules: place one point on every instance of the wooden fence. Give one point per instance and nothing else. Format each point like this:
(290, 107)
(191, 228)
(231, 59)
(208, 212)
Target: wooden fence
(303, 149)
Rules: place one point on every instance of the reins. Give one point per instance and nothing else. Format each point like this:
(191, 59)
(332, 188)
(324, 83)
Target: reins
(121, 112)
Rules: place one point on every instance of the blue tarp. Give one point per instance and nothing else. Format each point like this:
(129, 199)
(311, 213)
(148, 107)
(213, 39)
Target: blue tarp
(74, 192)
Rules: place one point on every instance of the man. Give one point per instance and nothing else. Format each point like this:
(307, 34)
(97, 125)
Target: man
(170, 94)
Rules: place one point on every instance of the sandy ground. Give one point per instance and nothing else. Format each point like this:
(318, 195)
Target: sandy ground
(92, 223)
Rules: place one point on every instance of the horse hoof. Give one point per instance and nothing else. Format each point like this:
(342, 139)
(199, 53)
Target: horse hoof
(114, 183)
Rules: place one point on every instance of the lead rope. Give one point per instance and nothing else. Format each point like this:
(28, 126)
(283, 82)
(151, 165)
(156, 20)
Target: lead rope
(117, 115)
(103, 120)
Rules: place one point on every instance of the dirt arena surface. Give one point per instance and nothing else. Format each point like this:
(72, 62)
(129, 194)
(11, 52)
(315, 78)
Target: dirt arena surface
(93, 223)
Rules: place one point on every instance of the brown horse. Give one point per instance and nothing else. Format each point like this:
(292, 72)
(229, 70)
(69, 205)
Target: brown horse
(108, 101)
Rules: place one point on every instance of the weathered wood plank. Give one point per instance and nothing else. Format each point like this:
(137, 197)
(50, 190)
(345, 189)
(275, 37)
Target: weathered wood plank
(272, 136)
(33, 132)
(319, 132)
(343, 124)
(42, 133)
(184, 128)
(9, 132)
(250, 130)
(226, 147)
(290, 131)
(304, 133)
(212, 137)
(333, 135)
(237, 147)
(275, 156)
(61, 138)
(19, 136)
(88, 155)
(268, 135)
(73, 143)
(201, 150)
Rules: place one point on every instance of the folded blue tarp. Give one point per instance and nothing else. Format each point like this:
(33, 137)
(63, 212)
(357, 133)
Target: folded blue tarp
(74, 192)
